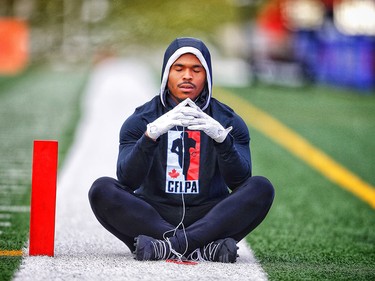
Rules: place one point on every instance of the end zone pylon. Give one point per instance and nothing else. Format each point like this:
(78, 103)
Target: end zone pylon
(43, 198)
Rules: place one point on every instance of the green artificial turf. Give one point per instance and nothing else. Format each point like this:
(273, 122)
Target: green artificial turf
(40, 104)
(315, 229)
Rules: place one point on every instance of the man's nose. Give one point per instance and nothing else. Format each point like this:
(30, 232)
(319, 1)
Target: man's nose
(188, 74)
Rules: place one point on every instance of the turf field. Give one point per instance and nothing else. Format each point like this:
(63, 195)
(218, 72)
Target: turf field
(42, 103)
(315, 230)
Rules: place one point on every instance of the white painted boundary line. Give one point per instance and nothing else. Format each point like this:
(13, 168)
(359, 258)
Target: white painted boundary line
(15, 209)
(5, 216)
(84, 250)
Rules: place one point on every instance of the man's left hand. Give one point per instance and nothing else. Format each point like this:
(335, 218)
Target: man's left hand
(210, 126)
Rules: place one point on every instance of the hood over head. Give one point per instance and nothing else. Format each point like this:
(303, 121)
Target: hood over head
(182, 46)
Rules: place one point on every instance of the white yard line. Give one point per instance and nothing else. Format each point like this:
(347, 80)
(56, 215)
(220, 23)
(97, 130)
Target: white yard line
(5, 216)
(15, 209)
(84, 250)
(5, 224)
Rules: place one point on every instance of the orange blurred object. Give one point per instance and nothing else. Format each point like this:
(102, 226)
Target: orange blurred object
(14, 35)
(271, 20)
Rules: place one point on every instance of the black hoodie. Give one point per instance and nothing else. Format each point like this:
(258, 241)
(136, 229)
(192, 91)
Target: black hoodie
(183, 161)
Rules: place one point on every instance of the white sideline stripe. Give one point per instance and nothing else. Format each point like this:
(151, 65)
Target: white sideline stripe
(84, 250)
(14, 209)
(5, 224)
(5, 216)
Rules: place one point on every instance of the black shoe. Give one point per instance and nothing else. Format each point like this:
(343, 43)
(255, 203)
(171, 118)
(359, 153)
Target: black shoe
(149, 249)
(223, 250)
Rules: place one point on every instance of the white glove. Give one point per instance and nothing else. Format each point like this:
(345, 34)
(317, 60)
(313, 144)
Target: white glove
(210, 126)
(179, 116)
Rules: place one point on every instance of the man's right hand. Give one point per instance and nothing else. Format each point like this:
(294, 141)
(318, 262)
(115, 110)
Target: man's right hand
(178, 116)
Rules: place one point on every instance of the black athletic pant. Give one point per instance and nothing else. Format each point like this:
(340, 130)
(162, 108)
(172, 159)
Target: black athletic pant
(126, 216)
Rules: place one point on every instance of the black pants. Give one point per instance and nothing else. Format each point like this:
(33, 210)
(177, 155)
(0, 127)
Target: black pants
(126, 216)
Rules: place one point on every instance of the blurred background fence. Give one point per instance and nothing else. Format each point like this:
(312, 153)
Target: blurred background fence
(284, 42)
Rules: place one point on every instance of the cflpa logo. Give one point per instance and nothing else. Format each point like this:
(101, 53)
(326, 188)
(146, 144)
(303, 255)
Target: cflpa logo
(186, 187)
(183, 159)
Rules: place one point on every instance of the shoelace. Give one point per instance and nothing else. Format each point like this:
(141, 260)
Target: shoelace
(209, 252)
(176, 254)
(161, 250)
(196, 256)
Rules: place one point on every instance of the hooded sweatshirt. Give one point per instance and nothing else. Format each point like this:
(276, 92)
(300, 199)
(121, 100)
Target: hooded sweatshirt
(182, 161)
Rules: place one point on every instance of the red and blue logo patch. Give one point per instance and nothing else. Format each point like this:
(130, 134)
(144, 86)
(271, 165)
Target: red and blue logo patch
(183, 156)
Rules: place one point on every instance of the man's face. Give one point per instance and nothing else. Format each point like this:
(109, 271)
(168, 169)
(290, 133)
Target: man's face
(187, 78)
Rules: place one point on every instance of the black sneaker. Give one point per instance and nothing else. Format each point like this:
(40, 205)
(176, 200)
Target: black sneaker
(150, 249)
(223, 250)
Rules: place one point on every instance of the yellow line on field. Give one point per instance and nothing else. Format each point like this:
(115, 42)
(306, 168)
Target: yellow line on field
(299, 146)
(10, 253)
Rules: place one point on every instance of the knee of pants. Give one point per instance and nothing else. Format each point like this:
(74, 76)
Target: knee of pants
(99, 189)
(264, 188)
(257, 188)
(263, 183)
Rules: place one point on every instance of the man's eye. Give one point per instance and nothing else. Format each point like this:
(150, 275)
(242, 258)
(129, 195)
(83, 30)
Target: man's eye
(197, 69)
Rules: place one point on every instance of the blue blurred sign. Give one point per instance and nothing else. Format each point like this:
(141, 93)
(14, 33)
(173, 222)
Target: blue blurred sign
(334, 58)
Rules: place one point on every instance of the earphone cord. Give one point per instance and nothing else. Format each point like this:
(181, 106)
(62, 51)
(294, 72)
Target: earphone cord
(177, 254)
